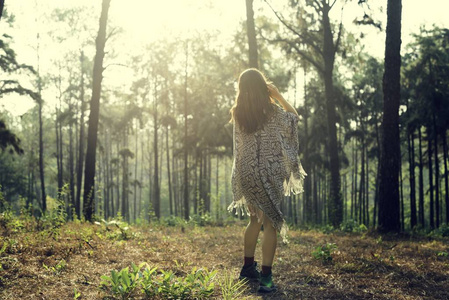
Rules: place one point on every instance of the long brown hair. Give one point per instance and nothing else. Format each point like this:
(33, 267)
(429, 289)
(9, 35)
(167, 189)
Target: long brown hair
(253, 105)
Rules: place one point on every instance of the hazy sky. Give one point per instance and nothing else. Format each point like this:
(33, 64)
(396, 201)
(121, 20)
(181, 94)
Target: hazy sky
(147, 20)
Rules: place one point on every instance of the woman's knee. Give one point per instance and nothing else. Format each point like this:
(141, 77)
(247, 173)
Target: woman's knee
(253, 221)
(268, 225)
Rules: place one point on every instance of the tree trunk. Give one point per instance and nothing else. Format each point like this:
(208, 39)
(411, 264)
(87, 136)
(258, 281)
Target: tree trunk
(390, 153)
(80, 163)
(209, 180)
(315, 200)
(41, 157)
(446, 183)
(186, 163)
(345, 197)
(353, 178)
(107, 198)
(335, 204)
(125, 176)
(206, 175)
(142, 169)
(431, 204)
(156, 187)
(175, 185)
(2, 6)
(110, 185)
(376, 195)
(437, 173)
(251, 32)
(411, 162)
(59, 137)
(71, 158)
(226, 194)
(356, 204)
(421, 182)
(217, 190)
(150, 178)
(362, 185)
(89, 176)
(401, 198)
(58, 158)
(170, 196)
(367, 189)
(307, 184)
(376, 192)
(198, 185)
(136, 163)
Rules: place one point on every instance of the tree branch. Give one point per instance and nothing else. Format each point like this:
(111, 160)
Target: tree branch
(2, 5)
(340, 29)
(301, 53)
(305, 39)
(318, 6)
(116, 64)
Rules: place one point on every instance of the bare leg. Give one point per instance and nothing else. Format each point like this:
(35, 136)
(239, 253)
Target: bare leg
(251, 235)
(269, 242)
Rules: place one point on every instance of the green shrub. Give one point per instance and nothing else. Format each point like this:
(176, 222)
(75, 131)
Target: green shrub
(443, 254)
(443, 230)
(352, 226)
(201, 219)
(198, 284)
(324, 253)
(123, 232)
(327, 229)
(122, 283)
(174, 221)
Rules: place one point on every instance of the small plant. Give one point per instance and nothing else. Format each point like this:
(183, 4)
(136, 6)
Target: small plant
(76, 294)
(122, 283)
(148, 279)
(2, 250)
(324, 253)
(198, 284)
(352, 226)
(124, 232)
(174, 221)
(443, 254)
(230, 287)
(58, 268)
(200, 281)
(201, 219)
(195, 285)
(327, 229)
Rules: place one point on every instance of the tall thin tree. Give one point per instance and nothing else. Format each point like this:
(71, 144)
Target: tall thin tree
(89, 174)
(186, 165)
(79, 168)
(389, 219)
(251, 32)
(325, 44)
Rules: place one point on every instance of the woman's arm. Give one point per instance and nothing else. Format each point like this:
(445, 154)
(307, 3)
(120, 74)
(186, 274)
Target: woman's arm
(274, 93)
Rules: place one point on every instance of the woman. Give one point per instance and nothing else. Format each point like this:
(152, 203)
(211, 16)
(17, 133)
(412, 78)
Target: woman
(266, 167)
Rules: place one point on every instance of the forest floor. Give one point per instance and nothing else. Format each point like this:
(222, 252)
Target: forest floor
(56, 263)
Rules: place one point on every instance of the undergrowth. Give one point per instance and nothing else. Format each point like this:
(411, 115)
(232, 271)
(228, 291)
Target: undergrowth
(153, 282)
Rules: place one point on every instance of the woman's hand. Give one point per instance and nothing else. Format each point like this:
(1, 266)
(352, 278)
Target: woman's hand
(274, 94)
(273, 91)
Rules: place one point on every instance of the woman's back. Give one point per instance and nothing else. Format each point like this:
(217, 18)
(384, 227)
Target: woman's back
(266, 165)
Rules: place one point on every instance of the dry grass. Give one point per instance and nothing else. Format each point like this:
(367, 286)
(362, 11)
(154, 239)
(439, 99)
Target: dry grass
(364, 266)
